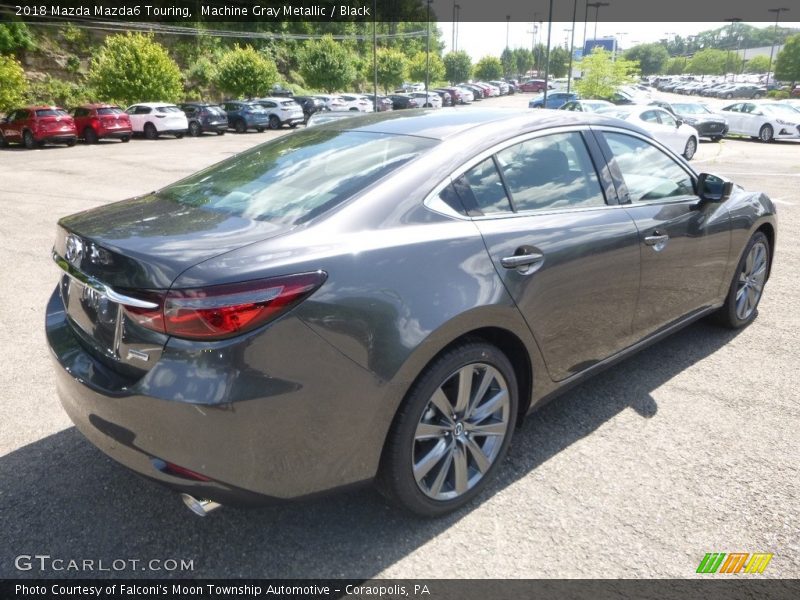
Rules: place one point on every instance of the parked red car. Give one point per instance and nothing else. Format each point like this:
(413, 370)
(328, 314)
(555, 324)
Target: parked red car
(37, 125)
(532, 85)
(97, 121)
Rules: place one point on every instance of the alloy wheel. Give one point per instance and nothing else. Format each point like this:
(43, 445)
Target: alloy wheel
(751, 280)
(461, 431)
(691, 148)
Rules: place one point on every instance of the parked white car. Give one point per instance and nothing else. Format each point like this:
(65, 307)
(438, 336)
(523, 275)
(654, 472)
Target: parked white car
(680, 138)
(467, 96)
(154, 118)
(333, 101)
(764, 120)
(434, 100)
(282, 111)
(358, 102)
(501, 85)
(493, 89)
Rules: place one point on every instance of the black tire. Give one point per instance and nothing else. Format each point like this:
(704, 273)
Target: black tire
(194, 129)
(179, 135)
(292, 125)
(353, 110)
(728, 315)
(90, 135)
(690, 149)
(756, 96)
(150, 131)
(274, 122)
(260, 129)
(3, 142)
(240, 126)
(221, 132)
(125, 139)
(716, 138)
(28, 141)
(396, 479)
(766, 133)
(71, 142)
(728, 96)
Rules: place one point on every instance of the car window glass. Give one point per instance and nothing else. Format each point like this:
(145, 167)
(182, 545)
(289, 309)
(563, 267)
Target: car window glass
(649, 173)
(649, 116)
(143, 110)
(550, 172)
(667, 119)
(481, 190)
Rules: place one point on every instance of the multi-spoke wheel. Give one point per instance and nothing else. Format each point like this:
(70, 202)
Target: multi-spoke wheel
(452, 430)
(748, 284)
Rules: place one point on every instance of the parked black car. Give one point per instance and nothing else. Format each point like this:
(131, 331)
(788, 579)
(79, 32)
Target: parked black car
(478, 93)
(204, 117)
(374, 299)
(400, 101)
(743, 90)
(708, 123)
(384, 102)
(310, 105)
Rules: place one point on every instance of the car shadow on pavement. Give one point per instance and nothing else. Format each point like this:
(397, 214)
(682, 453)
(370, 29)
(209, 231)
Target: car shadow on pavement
(61, 497)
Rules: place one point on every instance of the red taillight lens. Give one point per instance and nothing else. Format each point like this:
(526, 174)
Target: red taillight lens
(223, 311)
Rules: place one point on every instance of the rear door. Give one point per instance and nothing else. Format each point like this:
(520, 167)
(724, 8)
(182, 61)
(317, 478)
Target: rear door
(733, 114)
(569, 258)
(684, 243)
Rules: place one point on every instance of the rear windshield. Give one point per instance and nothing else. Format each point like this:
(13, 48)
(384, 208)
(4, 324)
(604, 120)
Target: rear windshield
(289, 103)
(112, 110)
(215, 110)
(50, 112)
(297, 177)
(168, 109)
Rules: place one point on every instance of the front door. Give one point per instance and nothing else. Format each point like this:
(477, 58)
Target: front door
(684, 243)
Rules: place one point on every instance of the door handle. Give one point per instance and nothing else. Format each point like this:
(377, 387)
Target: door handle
(655, 239)
(522, 261)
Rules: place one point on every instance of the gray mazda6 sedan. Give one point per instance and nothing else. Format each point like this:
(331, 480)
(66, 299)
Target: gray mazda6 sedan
(385, 298)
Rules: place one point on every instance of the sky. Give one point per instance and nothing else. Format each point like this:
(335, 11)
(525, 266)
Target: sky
(489, 39)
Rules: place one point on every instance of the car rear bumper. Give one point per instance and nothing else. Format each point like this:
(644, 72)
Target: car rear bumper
(241, 414)
(57, 138)
(214, 127)
(115, 133)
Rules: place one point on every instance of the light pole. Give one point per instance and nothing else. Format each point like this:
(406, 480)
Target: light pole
(508, 23)
(547, 59)
(733, 21)
(571, 44)
(428, 52)
(456, 10)
(596, 6)
(777, 12)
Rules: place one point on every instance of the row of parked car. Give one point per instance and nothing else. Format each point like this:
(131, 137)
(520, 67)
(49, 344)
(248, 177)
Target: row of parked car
(681, 125)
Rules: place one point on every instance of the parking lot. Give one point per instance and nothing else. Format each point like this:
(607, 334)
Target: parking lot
(691, 446)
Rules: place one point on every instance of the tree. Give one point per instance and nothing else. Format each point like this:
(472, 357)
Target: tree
(709, 61)
(15, 86)
(757, 64)
(508, 62)
(133, 68)
(418, 64)
(787, 65)
(15, 36)
(489, 67)
(602, 75)
(651, 58)
(458, 66)
(523, 61)
(391, 68)
(675, 66)
(245, 73)
(559, 61)
(327, 64)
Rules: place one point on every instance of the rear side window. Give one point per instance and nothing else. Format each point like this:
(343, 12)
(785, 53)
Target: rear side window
(82, 112)
(482, 191)
(551, 172)
(648, 172)
(297, 177)
(109, 110)
(50, 112)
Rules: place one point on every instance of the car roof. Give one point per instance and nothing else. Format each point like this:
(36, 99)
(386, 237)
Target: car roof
(97, 105)
(275, 99)
(153, 104)
(444, 123)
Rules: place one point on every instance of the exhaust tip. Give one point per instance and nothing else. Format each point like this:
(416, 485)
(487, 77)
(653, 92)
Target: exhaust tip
(199, 507)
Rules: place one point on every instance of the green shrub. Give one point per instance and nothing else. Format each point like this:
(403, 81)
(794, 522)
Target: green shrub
(778, 94)
(14, 85)
(131, 68)
(66, 94)
(327, 64)
(245, 73)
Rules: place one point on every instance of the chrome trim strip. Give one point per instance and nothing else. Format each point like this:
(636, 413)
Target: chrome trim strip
(99, 286)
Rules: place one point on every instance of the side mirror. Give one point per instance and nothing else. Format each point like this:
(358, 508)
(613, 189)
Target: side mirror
(712, 188)
(678, 123)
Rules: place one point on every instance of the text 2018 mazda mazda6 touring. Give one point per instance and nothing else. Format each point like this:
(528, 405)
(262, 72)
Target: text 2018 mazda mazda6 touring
(385, 298)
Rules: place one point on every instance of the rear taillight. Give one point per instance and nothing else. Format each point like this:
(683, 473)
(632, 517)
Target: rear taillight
(223, 311)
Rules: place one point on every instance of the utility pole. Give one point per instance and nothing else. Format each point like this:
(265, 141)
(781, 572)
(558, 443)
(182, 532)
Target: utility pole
(547, 60)
(572, 44)
(777, 12)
